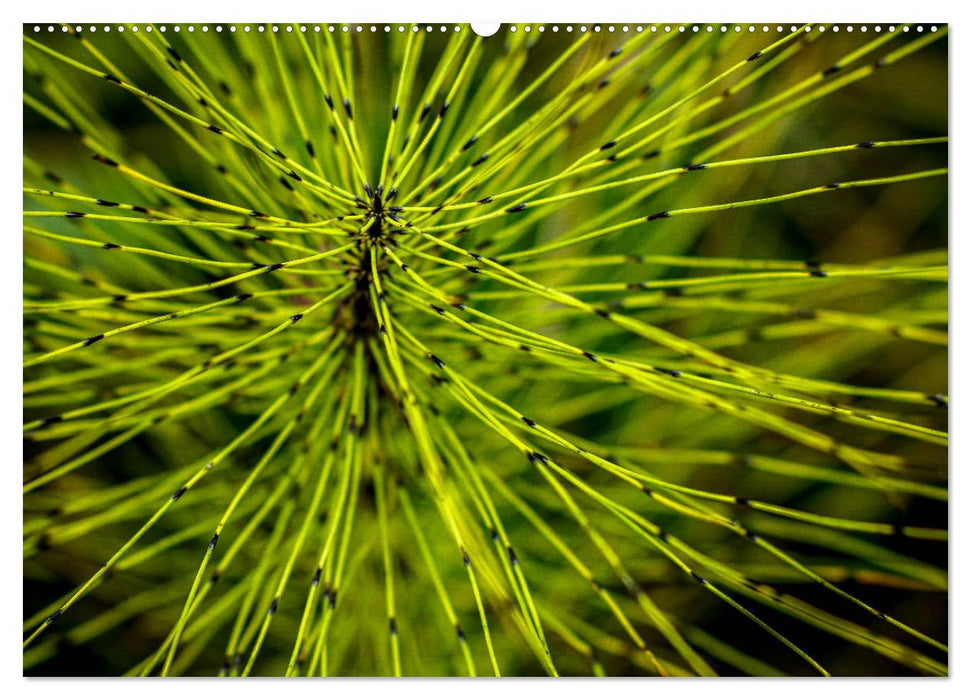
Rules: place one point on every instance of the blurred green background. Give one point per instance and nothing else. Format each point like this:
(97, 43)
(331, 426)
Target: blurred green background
(907, 100)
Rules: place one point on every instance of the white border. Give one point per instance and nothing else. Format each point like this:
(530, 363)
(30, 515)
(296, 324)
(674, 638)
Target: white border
(442, 11)
(741, 11)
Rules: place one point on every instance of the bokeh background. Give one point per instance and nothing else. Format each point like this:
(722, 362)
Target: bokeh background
(907, 100)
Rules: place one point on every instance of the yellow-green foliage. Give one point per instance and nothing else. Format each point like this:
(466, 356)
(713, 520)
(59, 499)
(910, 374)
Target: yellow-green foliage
(408, 351)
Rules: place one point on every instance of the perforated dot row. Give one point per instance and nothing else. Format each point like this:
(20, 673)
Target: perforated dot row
(400, 28)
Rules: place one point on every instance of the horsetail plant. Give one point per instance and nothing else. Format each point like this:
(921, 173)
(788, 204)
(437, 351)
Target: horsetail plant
(356, 350)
